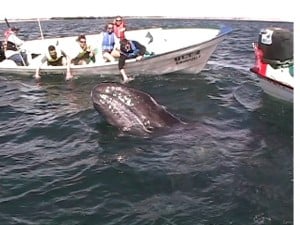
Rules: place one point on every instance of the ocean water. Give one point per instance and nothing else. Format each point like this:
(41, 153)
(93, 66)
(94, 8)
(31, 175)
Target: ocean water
(61, 163)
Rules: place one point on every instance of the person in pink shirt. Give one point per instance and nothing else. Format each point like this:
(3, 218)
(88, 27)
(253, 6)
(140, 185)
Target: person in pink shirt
(13, 49)
(119, 27)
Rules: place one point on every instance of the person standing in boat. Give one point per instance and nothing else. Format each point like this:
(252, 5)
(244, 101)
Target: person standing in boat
(119, 27)
(2, 51)
(55, 57)
(129, 50)
(13, 47)
(110, 44)
(86, 52)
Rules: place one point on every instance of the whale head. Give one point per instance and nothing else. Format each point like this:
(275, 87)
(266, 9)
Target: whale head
(129, 109)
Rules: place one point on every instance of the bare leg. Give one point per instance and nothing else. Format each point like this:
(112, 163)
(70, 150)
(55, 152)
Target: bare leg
(126, 79)
(108, 57)
(115, 54)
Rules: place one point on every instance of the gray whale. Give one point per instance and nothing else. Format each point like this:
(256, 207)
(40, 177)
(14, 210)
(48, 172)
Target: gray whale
(131, 110)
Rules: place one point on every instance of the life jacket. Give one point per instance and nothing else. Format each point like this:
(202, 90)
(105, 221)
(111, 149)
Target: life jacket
(118, 30)
(108, 42)
(57, 61)
(84, 55)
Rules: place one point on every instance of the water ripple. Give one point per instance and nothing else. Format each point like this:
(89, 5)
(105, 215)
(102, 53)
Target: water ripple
(231, 163)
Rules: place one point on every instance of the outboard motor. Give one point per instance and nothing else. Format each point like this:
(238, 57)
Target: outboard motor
(277, 46)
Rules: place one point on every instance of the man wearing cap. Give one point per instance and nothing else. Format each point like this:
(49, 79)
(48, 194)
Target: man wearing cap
(13, 44)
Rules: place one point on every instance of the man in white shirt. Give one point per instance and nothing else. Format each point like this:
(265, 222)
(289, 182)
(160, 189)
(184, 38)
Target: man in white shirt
(13, 45)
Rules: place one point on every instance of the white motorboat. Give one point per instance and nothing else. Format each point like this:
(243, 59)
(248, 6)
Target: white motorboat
(184, 50)
(274, 65)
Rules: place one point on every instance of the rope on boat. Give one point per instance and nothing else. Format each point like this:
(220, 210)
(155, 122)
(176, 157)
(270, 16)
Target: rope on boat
(42, 35)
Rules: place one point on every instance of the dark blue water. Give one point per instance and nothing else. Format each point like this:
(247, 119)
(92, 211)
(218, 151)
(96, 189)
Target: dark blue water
(61, 163)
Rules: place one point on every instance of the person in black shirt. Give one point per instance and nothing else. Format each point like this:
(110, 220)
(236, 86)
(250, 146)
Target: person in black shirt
(2, 51)
(129, 50)
(86, 53)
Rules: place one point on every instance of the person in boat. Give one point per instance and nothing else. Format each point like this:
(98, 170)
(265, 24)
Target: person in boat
(13, 49)
(110, 44)
(2, 51)
(119, 27)
(129, 49)
(86, 52)
(55, 57)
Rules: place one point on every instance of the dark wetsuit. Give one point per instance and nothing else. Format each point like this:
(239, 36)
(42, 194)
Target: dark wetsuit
(135, 50)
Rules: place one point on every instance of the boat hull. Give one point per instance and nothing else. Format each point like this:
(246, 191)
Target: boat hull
(277, 79)
(276, 89)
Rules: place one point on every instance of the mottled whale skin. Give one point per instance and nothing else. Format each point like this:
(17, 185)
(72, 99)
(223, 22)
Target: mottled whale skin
(130, 110)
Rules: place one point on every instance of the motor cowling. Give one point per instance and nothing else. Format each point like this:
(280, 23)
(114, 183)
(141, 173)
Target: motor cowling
(277, 45)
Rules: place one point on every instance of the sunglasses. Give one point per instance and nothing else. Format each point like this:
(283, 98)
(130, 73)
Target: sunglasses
(118, 20)
(83, 42)
(110, 28)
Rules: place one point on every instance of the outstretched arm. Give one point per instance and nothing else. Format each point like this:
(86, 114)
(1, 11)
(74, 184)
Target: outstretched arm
(37, 71)
(68, 64)
(140, 49)
(69, 74)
